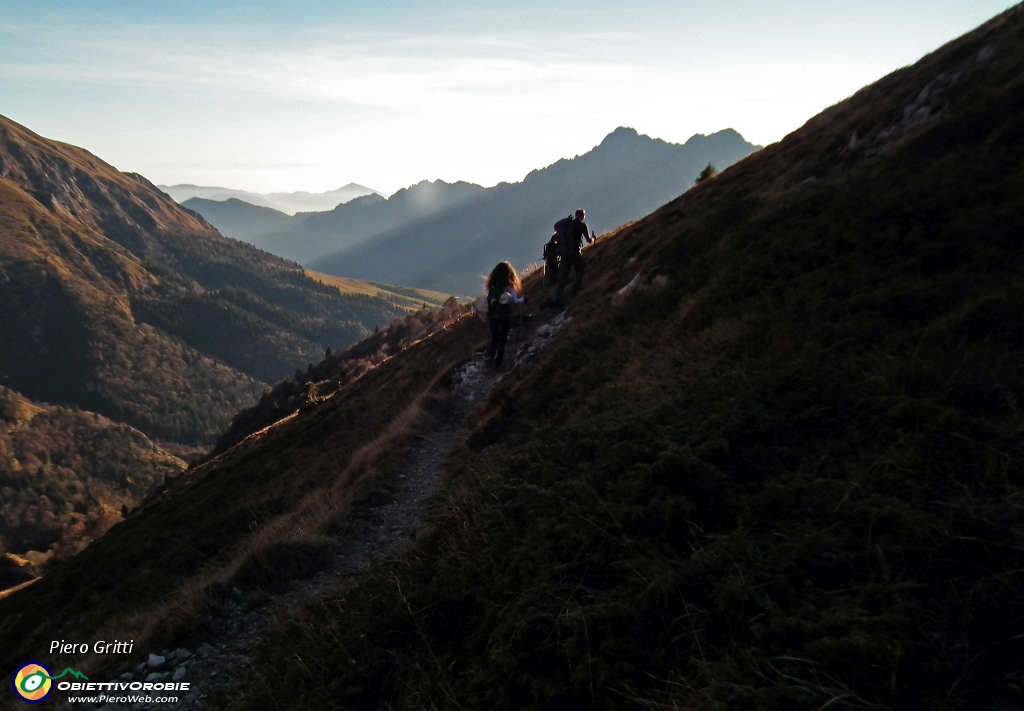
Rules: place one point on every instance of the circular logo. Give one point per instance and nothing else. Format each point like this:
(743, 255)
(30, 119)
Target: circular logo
(32, 682)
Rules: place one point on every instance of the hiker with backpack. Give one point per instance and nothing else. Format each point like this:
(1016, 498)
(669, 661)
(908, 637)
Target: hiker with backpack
(570, 233)
(503, 292)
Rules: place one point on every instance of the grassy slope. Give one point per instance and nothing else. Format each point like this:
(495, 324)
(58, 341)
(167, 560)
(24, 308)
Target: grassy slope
(406, 297)
(786, 475)
(336, 370)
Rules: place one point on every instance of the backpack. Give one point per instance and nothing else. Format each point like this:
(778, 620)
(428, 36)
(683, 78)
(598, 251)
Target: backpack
(496, 309)
(563, 236)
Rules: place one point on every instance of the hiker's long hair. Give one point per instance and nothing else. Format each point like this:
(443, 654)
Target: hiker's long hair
(501, 276)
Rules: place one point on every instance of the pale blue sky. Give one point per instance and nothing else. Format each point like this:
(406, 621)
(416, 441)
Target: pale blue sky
(310, 95)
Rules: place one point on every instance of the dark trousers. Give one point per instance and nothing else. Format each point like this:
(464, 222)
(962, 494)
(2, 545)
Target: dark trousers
(575, 261)
(550, 269)
(499, 334)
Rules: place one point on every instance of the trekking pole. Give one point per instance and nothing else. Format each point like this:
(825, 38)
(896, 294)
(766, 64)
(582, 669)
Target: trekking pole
(515, 348)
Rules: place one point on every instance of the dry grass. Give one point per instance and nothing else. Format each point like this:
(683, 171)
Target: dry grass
(407, 297)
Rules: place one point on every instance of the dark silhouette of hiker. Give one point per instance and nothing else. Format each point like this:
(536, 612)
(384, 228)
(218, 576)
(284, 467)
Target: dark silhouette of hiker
(573, 257)
(551, 262)
(503, 292)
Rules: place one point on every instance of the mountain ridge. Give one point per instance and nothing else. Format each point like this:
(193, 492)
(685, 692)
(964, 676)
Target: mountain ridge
(237, 219)
(304, 236)
(341, 242)
(627, 175)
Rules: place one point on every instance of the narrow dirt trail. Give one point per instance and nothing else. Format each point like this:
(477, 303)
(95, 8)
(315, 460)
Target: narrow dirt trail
(380, 524)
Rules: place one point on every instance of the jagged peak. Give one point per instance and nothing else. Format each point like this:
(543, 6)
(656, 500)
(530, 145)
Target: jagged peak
(622, 133)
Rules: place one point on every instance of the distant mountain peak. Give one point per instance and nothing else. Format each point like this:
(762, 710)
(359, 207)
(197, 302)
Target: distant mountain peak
(354, 186)
(622, 132)
(627, 136)
(727, 136)
(624, 137)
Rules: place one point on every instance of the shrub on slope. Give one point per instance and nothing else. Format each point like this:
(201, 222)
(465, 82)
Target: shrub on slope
(336, 370)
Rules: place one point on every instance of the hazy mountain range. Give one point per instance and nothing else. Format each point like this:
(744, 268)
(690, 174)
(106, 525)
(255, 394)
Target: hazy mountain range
(288, 203)
(624, 178)
(445, 236)
(307, 237)
(245, 221)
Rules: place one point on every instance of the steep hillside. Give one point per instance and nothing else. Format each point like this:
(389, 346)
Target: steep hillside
(770, 458)
(66, 476)
(336, 371)
(121, 302)
(402, 296)
(624, 178)
(774, 462)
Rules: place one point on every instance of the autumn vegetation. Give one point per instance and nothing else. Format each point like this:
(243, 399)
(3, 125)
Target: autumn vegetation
(67, 475)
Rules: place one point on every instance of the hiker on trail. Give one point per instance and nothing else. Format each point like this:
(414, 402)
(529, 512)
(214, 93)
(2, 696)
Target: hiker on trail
(551, 261)
(503, 292)
(570, 249)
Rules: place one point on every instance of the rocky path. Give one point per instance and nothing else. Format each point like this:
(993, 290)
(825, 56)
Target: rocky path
(378, 525)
